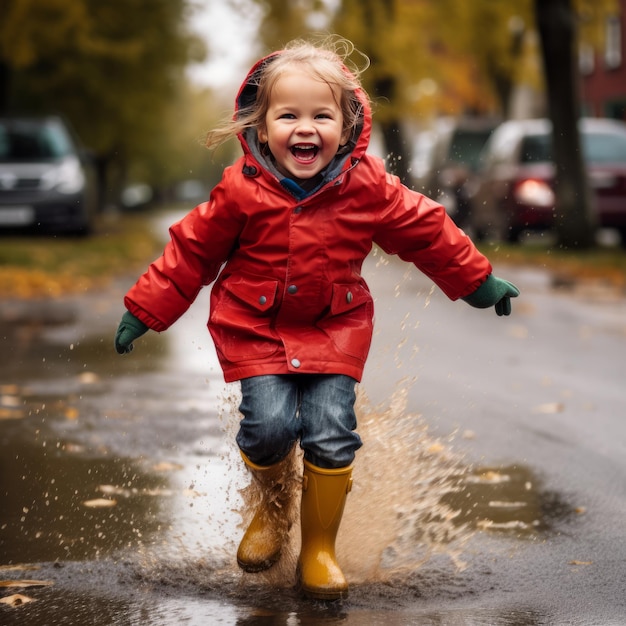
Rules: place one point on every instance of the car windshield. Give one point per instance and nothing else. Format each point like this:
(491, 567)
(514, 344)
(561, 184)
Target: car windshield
(466, 146)
(597, 148)
(604, 148)
(31, 141)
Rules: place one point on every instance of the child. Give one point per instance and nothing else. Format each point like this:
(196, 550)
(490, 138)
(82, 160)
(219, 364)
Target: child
(284, 235)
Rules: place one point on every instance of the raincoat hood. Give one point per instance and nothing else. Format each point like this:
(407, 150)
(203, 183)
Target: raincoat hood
(347, 156)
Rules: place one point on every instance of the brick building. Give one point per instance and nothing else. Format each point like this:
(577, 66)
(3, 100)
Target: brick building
(603, 81)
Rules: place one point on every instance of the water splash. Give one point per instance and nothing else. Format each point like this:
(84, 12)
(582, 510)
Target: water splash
(395, 520)
(395, 516)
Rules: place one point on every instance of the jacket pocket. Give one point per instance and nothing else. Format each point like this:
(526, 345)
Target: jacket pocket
(257, 294)
(349, 323)
(240, 321)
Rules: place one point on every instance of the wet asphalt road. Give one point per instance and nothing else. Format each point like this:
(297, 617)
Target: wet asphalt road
(491, 488)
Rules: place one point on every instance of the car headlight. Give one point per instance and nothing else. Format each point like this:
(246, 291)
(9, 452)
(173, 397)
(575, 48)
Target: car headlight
(534, 192)
(66, 177)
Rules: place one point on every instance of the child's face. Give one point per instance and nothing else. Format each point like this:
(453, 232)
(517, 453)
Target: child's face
(303, 125)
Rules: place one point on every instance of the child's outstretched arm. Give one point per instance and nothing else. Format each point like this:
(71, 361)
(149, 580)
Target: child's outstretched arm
(493, 292)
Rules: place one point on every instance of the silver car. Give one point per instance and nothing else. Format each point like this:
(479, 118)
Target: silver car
(46, 184)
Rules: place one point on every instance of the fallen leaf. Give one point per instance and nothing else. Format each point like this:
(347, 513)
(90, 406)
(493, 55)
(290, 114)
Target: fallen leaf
(112, 490)
(10, 389)
(550, 407)
(165, 466)
(71, 413)
(16, 599)
(18, 568)
(489, 476)
(25, 583)
(88, 378)
(518, 332)
(575, 562)
(487, 524)
(99, 503)
(501, 504)
(11, 414)
(10, 400)
(580, 510)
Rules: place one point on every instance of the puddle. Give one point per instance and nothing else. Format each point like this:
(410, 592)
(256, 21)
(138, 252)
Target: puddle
(57, 501)
(509, 501)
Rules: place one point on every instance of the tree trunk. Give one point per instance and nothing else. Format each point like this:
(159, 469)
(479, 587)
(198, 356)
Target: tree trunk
(575, 222)
(5, 74)
(393, 135)
(385, 89)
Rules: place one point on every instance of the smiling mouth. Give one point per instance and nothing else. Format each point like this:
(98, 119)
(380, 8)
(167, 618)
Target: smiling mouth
(304, 152)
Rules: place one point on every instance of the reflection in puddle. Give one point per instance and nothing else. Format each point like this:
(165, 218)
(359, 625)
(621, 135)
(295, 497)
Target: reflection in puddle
(508, 500)
(55, 504)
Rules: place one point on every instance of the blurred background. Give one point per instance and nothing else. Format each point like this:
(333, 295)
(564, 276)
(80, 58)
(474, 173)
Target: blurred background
(132, 87)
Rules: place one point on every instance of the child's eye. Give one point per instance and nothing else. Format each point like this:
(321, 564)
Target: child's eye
(287, 116)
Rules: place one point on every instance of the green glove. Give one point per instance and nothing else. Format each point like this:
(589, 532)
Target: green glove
(130, 328)
(494, 292)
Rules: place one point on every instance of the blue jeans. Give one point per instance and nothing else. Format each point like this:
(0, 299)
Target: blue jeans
(318, 409)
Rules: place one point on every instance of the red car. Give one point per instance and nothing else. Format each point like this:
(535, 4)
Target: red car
(514, 189)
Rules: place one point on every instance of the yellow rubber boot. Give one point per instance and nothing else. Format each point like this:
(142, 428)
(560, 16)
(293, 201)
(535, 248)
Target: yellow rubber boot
(262, 542)
(324, 493)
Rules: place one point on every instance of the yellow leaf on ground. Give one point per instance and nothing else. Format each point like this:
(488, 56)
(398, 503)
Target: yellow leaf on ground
(10, 389)
(165, 466)
(25, 583)
(10, 400)
(99, 503)
(11, 414)
(16, 599)
(71, 413)
(489, 476)
(550, 407)
(19, 568)
(88, 378)
(575, 562)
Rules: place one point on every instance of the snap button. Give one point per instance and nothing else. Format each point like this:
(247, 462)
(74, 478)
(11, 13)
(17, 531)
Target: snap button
(292, 289)
(249, 170)
(349, 297)
(295, 362)
(262, 300)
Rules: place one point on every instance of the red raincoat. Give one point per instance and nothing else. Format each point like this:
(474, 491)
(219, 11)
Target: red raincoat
(290, 297)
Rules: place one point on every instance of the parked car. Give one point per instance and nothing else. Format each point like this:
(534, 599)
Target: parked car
(46, 183)
(514, 187)
(445, 158)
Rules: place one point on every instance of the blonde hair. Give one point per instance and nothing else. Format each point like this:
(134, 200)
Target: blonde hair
(326, 60)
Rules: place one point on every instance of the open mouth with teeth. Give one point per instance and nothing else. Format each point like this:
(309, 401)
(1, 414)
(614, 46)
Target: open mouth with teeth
(304, 152)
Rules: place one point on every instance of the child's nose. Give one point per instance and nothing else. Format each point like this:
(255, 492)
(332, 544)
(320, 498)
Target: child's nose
(305, 127)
